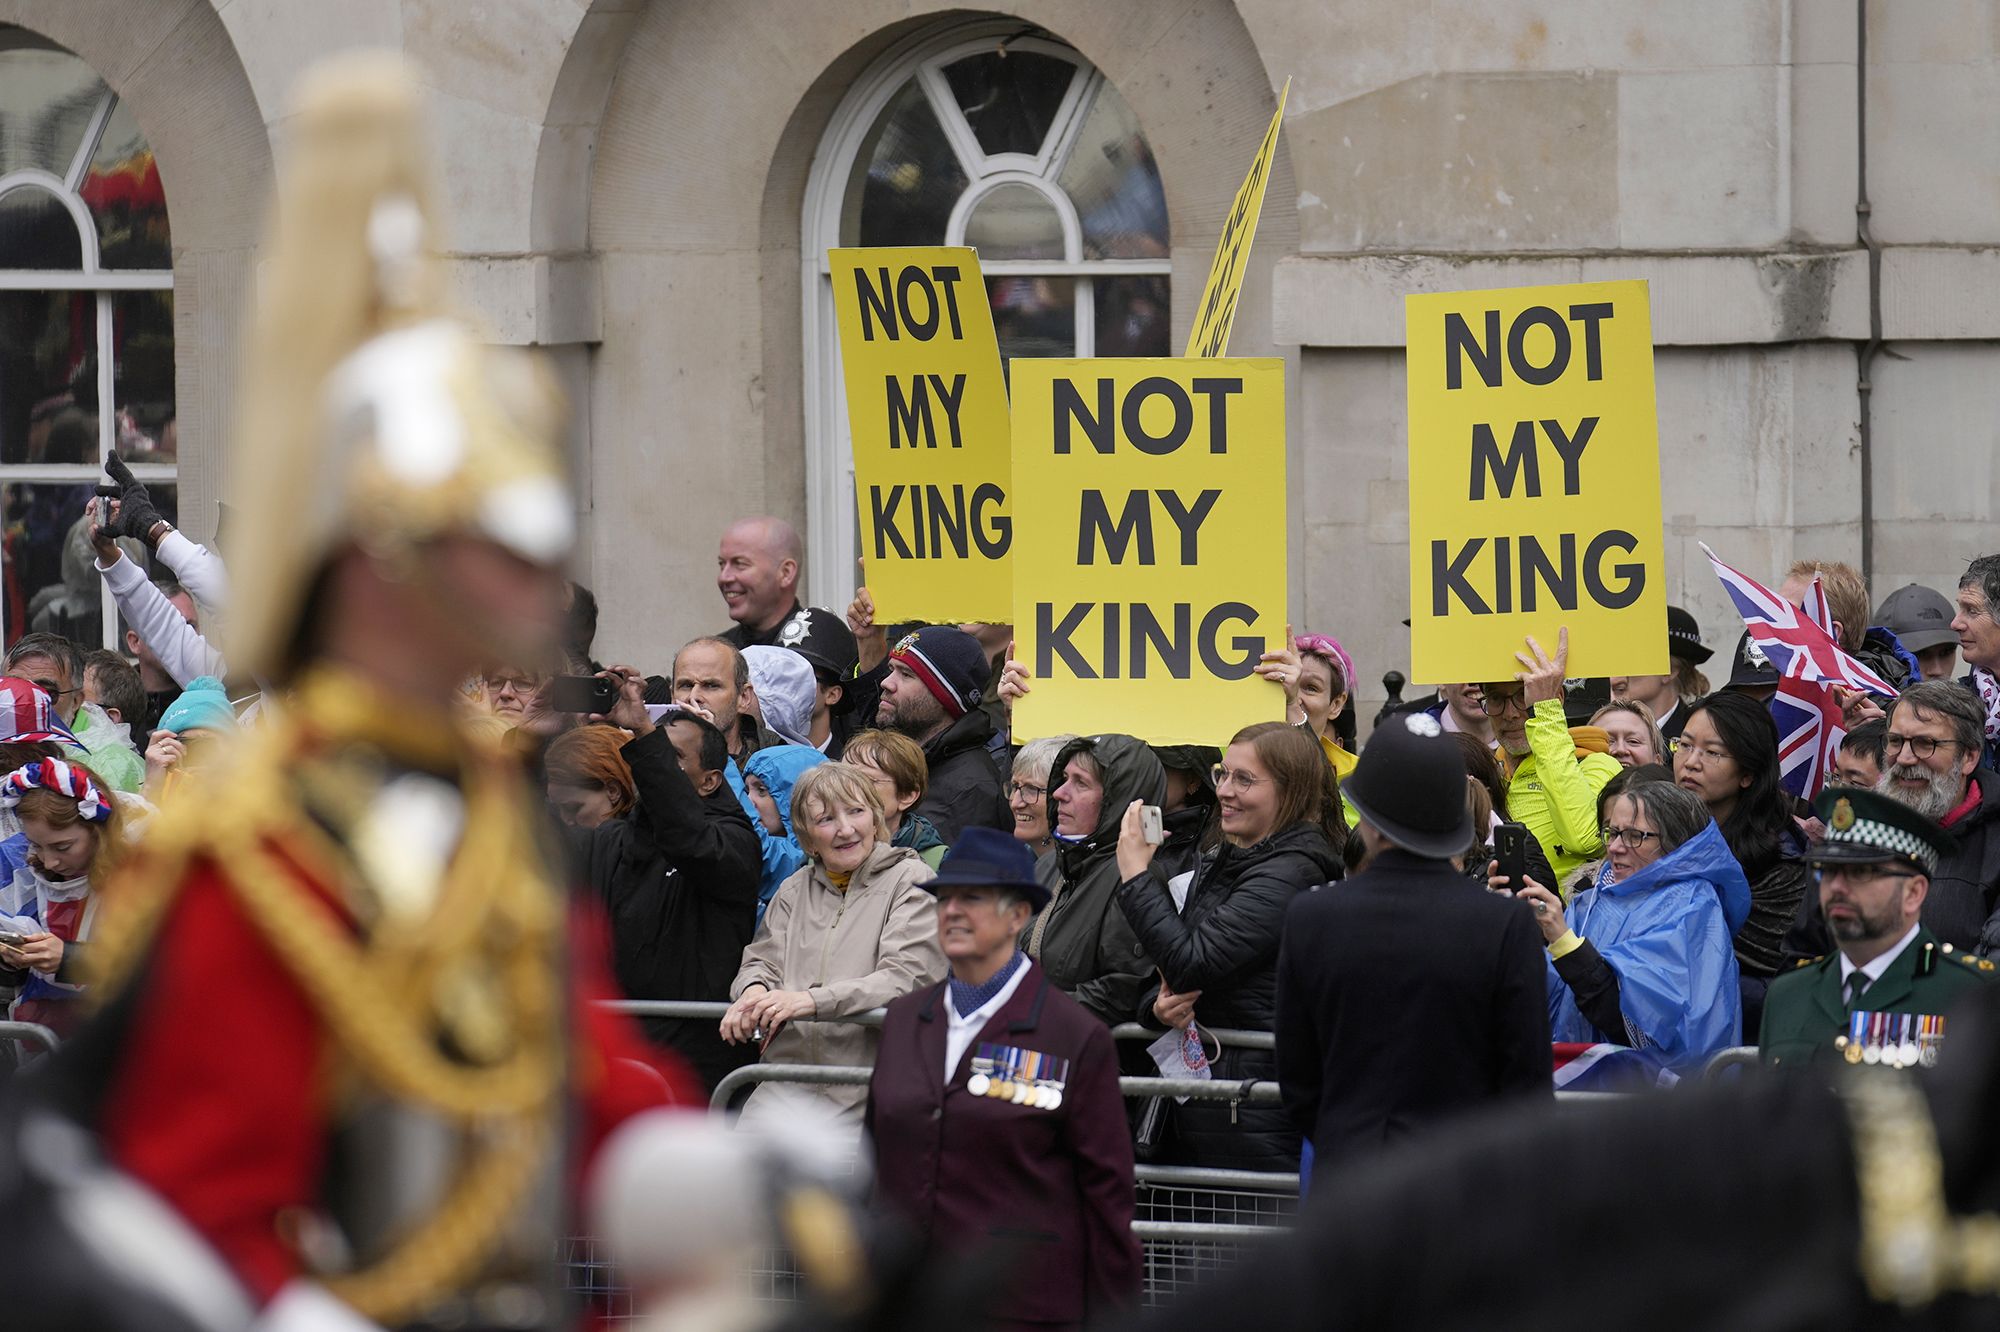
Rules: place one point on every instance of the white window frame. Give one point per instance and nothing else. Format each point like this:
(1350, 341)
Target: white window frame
(832, 527)
(91, 276)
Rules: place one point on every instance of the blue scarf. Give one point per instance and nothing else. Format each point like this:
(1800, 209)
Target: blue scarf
(967, 998)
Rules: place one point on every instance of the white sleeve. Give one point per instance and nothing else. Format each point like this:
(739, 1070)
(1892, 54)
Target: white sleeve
(199, 570)
(183, 652)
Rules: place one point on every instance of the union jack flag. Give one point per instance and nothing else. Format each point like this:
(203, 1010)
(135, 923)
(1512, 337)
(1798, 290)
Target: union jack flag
(1798, 641)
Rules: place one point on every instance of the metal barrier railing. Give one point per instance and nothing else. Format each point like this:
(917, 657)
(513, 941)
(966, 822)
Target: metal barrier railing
(1244, 1092)
(1737, 1056)
(30, 1031)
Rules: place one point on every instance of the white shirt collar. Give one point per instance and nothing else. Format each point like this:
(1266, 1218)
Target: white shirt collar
(1875, 968)
(959, 1031)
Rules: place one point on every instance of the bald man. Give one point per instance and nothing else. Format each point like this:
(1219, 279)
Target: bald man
(757, 570)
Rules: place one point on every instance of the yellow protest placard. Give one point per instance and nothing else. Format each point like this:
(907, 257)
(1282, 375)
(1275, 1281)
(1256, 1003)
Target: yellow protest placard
(1534, 481)
(927, 409)
(1216, 314)
(1150, 556)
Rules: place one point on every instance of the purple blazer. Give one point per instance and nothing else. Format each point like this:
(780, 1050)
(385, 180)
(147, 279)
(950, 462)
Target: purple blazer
(1052, 1186)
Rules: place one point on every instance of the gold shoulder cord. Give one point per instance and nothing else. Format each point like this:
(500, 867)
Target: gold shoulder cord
(374, 998)
(1912, 1248)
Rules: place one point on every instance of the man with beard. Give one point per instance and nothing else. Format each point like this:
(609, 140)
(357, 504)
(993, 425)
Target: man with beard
(1930, 762)
(931, 693)
(1880, 998)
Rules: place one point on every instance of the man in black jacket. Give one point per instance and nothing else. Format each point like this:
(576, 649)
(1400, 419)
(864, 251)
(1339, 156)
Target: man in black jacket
(931, 694)
(678, 875)
(1407, 994)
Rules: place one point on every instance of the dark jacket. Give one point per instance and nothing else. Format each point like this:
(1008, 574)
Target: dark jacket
(741, 636)
(1053, 1187)
(965, 787)
(1225, 944)
(1963, 905)
(678, 877)
(1777, 887)
(1184, 828)
(1883, 653)
(1406, 995)
(1081, 938)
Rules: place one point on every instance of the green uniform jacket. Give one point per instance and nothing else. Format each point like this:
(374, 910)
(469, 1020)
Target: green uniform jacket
(1803, 1012)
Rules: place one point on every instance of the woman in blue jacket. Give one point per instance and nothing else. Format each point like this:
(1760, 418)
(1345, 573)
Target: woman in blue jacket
(1646, 960)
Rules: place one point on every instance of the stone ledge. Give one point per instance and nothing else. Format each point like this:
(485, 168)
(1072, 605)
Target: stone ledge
(532, 299)
(1698, 300)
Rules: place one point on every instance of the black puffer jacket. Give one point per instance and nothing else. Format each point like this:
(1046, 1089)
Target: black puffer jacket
(965, 787)
(1081, 939)
(678, 877)
(1225, 944)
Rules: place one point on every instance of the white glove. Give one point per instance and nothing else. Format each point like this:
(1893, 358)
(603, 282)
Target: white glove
(303, 1306)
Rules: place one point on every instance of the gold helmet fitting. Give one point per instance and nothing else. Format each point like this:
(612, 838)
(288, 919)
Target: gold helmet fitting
(372, 415)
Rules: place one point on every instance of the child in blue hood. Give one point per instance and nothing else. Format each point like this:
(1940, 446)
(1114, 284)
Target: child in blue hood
(768, 777)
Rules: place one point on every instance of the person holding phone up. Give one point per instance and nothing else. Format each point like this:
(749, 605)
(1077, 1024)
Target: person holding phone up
(47, 909)
(1278, 832)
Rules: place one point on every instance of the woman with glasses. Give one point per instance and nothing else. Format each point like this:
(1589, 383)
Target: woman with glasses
(1728, 758)
(1028, 798)
(1278, 832)
(1645, 960)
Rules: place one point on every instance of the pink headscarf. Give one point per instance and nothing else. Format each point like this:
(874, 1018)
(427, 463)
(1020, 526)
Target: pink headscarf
(1321, 645)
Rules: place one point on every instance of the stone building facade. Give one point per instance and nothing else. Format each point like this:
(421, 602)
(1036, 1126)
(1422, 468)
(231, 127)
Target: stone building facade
(645, 188)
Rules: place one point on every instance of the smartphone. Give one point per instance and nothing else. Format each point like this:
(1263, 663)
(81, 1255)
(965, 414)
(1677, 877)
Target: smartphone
(1151, 826)
(584, 694)
(1510, 848)
(12, 940)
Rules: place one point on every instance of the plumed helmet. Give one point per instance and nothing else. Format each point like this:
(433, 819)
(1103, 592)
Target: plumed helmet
(373, 416)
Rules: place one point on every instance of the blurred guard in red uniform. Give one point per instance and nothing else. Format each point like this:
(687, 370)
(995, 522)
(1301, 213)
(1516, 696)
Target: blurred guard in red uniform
(345, 1034)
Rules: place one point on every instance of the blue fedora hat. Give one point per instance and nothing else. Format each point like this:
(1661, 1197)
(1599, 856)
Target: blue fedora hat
(988, 858)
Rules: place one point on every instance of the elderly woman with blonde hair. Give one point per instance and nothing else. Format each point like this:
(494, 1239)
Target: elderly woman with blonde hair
(847, 933)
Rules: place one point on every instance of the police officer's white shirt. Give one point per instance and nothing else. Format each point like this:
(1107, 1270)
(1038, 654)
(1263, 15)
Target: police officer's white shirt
(960, 1031)
(1875, 968)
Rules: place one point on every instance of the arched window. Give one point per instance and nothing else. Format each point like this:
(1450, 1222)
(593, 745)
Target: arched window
(1010, 142)
(86, 329)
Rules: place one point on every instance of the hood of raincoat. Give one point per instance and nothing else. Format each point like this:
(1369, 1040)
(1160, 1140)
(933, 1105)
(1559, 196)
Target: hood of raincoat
(1129, 770)
(780, 767)
(1666, 931)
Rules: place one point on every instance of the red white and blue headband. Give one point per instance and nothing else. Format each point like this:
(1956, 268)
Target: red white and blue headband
(64, 779)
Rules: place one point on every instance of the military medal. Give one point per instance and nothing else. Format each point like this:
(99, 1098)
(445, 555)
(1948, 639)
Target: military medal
(982, 1073)
(1907, 1054)
(1850, 1044)
(1930, 1039)
(1871, 1051)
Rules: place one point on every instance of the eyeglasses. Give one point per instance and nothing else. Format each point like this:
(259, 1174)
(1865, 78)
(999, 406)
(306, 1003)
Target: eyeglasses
(520, 684)
(1493, 705)
(1631, 838)
(1923, 746)
(1025, 791)
(1857, 874)
(1243, 781)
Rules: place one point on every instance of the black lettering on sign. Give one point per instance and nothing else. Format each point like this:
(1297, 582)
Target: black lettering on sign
(1520, 463)
(1632, 576)
(1094, 525)
(940, 521)
(910, 410)
(935, 292)
(1174, 642)
(1542, 576)
(1097, 424)
(1462, 345)
(1177, 427)
(1098, 427)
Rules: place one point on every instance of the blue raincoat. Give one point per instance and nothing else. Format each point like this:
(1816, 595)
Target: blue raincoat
(1666, 931)
(779, 768)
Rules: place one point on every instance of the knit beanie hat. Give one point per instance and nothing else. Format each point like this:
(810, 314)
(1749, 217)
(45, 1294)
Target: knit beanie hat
(202, 706)
(951, 664)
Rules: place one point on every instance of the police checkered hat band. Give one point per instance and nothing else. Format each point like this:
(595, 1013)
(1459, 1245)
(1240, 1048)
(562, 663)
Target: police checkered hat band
(1864, 827)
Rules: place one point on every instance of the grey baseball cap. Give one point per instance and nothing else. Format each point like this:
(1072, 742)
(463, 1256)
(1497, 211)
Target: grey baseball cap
(1919, 616)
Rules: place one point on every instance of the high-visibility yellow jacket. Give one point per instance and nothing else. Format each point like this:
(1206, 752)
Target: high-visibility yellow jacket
(1553, 790)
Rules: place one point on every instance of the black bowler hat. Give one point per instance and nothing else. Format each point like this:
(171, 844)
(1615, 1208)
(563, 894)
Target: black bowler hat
(1867, 828)
(1410, 784)
(989, 858)
(1684, 637)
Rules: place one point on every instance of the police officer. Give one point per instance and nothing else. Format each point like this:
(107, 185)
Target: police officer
(845, 704)
(1881, 996)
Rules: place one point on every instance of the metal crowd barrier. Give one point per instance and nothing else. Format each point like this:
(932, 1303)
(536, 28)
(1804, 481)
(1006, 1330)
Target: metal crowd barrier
(30, 1031)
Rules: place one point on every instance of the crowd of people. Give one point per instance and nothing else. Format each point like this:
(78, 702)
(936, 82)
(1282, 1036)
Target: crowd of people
(811, 815)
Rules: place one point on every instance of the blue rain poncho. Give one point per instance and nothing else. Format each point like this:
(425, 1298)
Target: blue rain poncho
(778, 767)
(1666, 931)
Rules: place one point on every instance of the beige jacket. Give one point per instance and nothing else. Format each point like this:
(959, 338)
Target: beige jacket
(851, 951)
